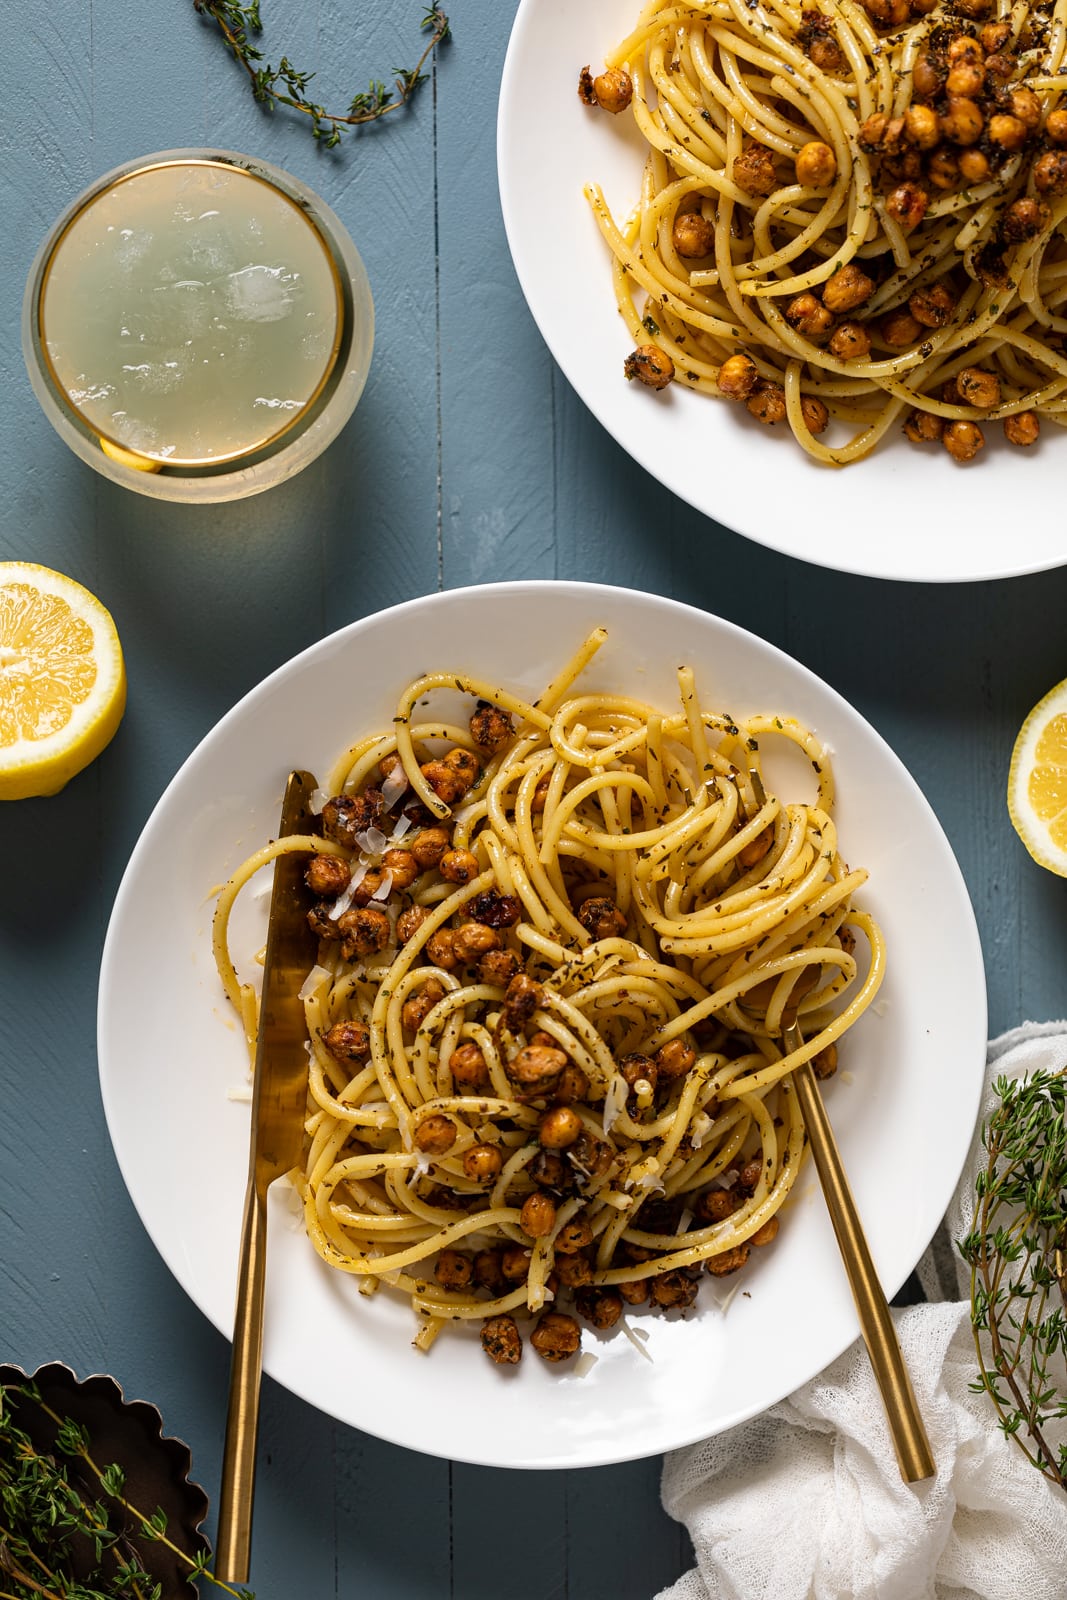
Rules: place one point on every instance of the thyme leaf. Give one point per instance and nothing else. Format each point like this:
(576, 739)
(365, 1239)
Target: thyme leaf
(284, 85)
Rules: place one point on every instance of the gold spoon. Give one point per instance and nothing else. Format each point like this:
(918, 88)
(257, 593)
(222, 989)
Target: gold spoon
(876, 1325)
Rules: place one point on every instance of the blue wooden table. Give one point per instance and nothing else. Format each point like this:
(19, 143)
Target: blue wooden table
(468, 459)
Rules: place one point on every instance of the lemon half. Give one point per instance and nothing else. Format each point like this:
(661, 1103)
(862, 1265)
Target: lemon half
(1037, 781)
(62, 679)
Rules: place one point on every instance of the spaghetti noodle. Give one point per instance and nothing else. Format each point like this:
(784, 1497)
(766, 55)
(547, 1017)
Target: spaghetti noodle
(850, 213)
(557, 941)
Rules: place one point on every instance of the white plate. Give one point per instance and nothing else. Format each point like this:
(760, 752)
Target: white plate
(170, 1051)
(905, 512)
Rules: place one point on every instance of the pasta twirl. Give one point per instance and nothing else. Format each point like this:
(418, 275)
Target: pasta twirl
(557, 940)
(852, 213)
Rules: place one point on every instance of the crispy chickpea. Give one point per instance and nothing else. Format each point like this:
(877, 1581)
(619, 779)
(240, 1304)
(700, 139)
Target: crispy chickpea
(559, 1127)
(923, 427)
(765, 1234)
(963, 48)
(922, 126)
(899, 328)
(498, 967)
(573, 1236)
(575, 1271)
(364, 932)
(428, 846)
(573, 1086)
(474, 940)
(962, 440)
(515, 1263)
(1050, 172)
(1023, 428)
(469, 1069)
(692, 235)
(808, 316)
(496, 910)
(458, 866)
(824, 1065)
(715, 1205)
(943, 169)
(1000, 65)
(487, 1272)
(850, 341)
(536, 1066)
(452, 776)
(482, 1163)
(524, 996)
(557, 1337)
(974, 164)
(1027, 107)
(816, 164)
(539, 798)
(409, 922)
(674, 1059)
(933, 305)
(872, 131)
(634, 1293)
(962, 122)
(650, 365)
(978, 388)
(675, 1289)
(994, 36)
(390, 765)
(966, 79)
(925, 80)
(491, 729)
(502, 1341)
(601, 917)
(346, 815)
(348, 1041)
(402, 866)
(907, 204)
(453, 1269)
(767, 403)
(848, 288)
(738, 376)
(753, 170)
(439, 948)
(1007, 132)
(601, 1307)
(1056, 126)
(413, 1012)
(816, 420)
(435, 1135)
(611, 90)
(1024, 219)
(538, 1215)
(721, 1266)
(826, 54)
(327, 876)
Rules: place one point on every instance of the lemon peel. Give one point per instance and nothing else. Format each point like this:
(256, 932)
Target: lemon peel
(1037, 781)
(62, 679)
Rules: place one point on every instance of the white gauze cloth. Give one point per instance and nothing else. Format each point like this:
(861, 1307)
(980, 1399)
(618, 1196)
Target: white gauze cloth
(805, 1502)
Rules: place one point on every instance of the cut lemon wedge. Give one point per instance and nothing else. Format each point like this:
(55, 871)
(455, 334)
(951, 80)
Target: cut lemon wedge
(62, 679)
(1037, 781)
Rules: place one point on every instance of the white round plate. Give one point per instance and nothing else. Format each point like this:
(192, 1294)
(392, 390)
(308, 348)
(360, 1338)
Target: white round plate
(171, 1053)
(906, 512)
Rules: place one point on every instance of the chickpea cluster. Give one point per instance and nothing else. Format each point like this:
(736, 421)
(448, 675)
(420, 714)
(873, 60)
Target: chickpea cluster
(372, 897)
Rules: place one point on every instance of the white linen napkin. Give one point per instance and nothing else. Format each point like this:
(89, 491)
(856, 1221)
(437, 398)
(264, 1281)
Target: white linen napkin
(804, 1502)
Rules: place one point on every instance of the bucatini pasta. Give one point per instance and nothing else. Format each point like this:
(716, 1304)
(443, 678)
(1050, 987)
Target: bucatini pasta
(852, 213)
(557, 941)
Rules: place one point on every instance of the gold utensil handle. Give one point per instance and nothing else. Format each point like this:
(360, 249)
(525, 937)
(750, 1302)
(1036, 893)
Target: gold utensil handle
(879, 1335)
(242, 1417)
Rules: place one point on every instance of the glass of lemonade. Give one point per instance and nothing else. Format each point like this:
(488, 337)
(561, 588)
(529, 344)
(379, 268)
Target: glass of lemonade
(198, 325)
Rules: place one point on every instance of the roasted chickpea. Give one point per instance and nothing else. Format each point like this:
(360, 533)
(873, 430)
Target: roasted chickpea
(721, 1266)
(502, 1341)
(344, 816)
(469, 1069)
(409, 922)
(692, 235)
(559, 1127)
(674, 1059)
(556, 1337)
(496, 910)
(738, 376)
(850, 341)
(458, 866)
(491, 729)
(933, 305)
(1007, 132)
(453, 1269)
(816, 164)
(922, 126)
(899, 329)
(574, 1271)
(753, 171)
(524, 996)
(428, 846)
(767, 403)
(715, 1205)
(1050, 172)
(824, 1065)
(402, 867)
(482, 1163)
(816, 419)
(848, 288)
(536, 1066)
(413, 1012)
(1023, 428)
(440, 949)
(872, 131)
(923, 427)
(1000, 66)
(435, 1135)
(966, 79)
(994, 36)
(601, 917)
(573, 1086)
(474, 940)
(611, 90)
(964, 48)
(1026, 106)
(364, 932)
(962, 440)
(498, 967)
(1024, 219)
(1056, 126)
(487, 1271)
(907, 204)
(538, 1215)
(600, 1306)
(573, 1236)
(515, 1263)
(926, 80)
(634, 1293)
(675, 1289)
(766, 1233)
(962, 122)
(327, 876)
(650, 365)
(977, 387)
(348, 1041)
(808, 316)
(943, 169)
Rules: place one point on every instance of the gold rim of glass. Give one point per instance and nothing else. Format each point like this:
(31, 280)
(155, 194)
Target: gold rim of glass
(249, 452)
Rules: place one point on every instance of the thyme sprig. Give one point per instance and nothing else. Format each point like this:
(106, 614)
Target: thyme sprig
(62, 1512)
(284, 85)
(1017, 1252)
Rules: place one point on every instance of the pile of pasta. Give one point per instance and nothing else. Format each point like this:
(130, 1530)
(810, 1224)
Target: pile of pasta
(557, 941)
(852, 212)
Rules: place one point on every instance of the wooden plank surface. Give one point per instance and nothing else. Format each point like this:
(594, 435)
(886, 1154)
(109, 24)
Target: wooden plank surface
(469, 459)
